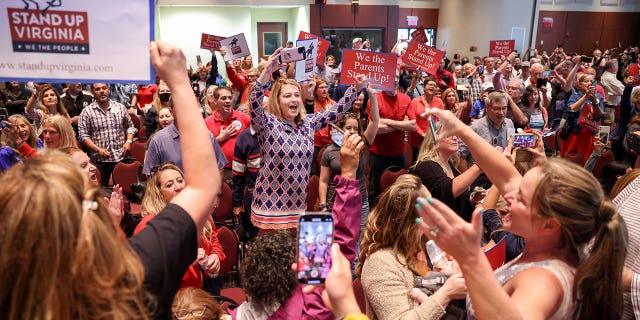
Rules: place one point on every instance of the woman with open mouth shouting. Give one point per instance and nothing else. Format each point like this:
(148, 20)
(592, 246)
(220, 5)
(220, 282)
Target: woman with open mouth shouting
(285, 134)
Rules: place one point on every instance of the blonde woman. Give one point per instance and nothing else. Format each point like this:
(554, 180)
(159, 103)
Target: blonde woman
(86, 268)
(165, 183)
(58, 133)
(285, 135)
(436, 166)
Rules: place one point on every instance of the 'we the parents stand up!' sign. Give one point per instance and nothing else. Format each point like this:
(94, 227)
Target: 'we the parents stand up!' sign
(380, 68)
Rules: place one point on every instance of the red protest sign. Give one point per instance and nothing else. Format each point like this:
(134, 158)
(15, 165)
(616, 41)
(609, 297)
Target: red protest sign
(423, 56)
(380, 68)
(501, 47)
(323, 45)
(419, 35)
(210, 42)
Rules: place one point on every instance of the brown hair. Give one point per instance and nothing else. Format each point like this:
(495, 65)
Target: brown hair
(623, 182)
(572, 195)
(59, 108)
(194, 299)
(56, 222)
(391, 223)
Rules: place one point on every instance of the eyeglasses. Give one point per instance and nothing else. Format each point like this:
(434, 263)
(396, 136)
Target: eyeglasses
(513, 88)
(323, 87)
(184, 314)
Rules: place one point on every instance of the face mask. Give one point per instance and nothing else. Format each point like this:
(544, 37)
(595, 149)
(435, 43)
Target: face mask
(165, 96)
(336, 137)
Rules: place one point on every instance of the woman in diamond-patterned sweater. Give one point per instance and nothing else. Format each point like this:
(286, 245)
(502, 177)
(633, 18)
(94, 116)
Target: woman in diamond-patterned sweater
(285, 134)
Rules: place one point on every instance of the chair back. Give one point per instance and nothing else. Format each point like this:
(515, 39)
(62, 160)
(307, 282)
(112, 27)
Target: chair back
(497, 255)
(137, 151)
(575, 157)
(409, 151)
(605, 158)
(229, 242)
(225, 205)
(313, 192)
(389, 176)
(126, 174)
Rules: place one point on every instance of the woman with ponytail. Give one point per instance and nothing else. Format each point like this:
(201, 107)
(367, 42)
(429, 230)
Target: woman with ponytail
(558, 208)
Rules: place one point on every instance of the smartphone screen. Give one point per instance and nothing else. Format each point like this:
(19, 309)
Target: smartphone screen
(4, 116)
(603, 134)
(199, 59)
(541, 82)
(315, 235)
(524, 140)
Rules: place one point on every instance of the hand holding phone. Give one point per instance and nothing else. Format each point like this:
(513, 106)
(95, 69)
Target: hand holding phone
(603, 134)
(524, 140)
(315, 235)
(292, 54)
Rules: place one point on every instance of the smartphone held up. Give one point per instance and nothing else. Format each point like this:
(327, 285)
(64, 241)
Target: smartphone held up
(315, 235)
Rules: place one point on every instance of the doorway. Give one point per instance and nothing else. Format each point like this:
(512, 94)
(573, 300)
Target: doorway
(271, 36)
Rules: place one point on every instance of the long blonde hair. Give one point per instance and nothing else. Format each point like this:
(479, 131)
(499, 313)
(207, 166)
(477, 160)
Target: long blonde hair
(154, 201)
(391, 223)
(274, 98)
(62, 256)
(33, 138)
(64, 128)
(430, 150)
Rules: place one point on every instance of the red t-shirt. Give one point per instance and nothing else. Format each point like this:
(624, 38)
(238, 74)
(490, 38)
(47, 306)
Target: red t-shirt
(322, 137)
(193, 276)
(145, 94)
(416, 108)
(215, 123)
(394, 108)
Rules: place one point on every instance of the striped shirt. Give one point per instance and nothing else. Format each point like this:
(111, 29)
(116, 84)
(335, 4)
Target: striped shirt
(106, 129)
(628, 202)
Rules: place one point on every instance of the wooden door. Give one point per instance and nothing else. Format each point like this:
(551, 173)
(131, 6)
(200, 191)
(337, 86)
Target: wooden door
(271, 36)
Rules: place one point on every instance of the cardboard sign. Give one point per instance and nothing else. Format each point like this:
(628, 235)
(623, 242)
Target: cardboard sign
(380, 68)
(423, 56)
(76, 41)
(501, 47)
(235, 47)
(210, 42)
(323, 45)
(419, 35)
(306, 67)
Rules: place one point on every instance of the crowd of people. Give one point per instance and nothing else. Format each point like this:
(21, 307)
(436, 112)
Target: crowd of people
(563, 205)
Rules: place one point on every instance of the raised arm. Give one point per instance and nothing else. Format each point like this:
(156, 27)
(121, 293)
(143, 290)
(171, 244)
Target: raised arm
(337, 111)
(572, 74)
(499, 170)
(257, 112)
(203, 180)
(374, 116)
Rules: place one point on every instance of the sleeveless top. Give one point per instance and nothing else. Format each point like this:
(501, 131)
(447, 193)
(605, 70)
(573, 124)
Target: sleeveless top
(560, 269)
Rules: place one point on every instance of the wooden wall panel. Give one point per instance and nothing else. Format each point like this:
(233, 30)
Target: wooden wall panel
(551, 37)
(582, 32)
(337, 16)
(427, 18)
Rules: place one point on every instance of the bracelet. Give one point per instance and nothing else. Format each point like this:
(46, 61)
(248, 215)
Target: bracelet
(129, 141)
(322, 206)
